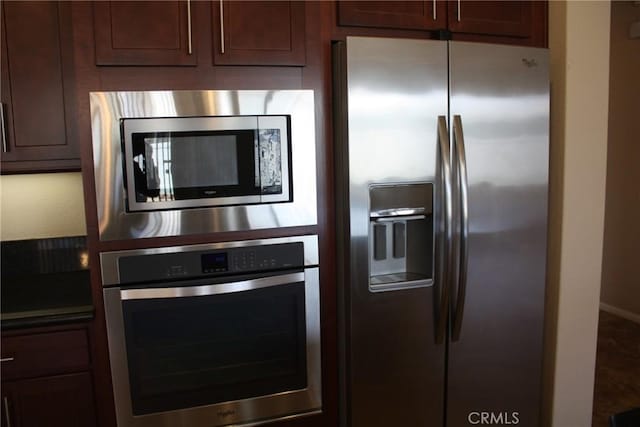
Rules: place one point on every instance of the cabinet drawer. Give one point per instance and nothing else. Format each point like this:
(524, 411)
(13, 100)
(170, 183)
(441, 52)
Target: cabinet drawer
(57, 401)
(50, 353)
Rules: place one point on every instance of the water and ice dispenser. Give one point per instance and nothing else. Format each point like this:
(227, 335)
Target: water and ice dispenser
(400, 236)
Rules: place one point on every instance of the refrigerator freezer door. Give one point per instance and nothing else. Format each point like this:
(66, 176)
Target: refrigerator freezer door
(501, 94)
(393, 92)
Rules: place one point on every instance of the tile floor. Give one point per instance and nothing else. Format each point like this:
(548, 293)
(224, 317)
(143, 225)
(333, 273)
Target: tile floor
(617, 386)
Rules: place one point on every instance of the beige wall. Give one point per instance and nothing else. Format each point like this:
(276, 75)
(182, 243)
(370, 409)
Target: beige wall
(579, 49)
(41, 205)
(620, 278)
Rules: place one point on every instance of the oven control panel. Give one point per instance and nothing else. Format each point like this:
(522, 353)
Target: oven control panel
(217, 262)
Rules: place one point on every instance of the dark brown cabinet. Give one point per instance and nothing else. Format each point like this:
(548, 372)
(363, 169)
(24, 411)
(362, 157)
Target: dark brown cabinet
(258, 33)
(37, 88)
(499, 18)
(56, 401)
(410, 15)
(132, 33)
(514, 22)
(144, 33)
(46, 379)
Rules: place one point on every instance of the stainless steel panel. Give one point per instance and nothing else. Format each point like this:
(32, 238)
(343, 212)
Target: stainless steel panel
(392, 370)
(107, 108)
(109, 260)
(252, 411)
(501, 94)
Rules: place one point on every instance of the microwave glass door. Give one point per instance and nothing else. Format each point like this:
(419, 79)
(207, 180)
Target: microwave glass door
(201, 350)
(175, 163)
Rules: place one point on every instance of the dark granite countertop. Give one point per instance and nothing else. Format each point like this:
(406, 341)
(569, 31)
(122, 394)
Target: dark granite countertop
(45, 282)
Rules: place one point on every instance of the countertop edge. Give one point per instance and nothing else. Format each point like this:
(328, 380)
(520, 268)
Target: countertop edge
(84, 315)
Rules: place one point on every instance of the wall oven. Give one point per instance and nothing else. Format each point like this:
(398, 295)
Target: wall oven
(170, 163)
(214, 334)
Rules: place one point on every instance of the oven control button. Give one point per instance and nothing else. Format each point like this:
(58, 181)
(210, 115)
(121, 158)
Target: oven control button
(175, 270)
(244, 261)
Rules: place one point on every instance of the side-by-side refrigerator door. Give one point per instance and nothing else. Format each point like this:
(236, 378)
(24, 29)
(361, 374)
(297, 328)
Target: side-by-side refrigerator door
(394, 95)
(500, 134)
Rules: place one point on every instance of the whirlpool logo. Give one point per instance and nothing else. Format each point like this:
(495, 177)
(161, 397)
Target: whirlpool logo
(227, 413)
(494, 418)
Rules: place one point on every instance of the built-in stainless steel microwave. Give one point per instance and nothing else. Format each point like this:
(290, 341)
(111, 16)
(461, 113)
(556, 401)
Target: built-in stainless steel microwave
(185, 162)
(172, 163)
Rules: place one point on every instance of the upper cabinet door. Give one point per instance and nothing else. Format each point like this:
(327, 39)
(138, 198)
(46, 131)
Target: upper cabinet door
(144, 33)
(258, 32)
(37, 88)
(517, 22)
(498, 18)
(411, 15)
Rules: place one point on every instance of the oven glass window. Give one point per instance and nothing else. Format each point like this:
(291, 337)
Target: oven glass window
(185, 352)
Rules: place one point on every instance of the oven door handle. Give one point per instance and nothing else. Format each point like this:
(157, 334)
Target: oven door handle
(214, 289)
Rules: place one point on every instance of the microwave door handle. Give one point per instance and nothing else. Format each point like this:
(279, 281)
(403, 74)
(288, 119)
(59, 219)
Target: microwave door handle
(217, 289)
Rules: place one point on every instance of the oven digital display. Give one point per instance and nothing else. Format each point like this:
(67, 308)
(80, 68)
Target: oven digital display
(214, 263)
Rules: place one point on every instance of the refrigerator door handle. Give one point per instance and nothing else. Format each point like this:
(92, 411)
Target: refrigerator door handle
(445, 251)
(463, 204)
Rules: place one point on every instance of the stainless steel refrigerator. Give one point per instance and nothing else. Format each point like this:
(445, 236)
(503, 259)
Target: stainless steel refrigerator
(441, 188)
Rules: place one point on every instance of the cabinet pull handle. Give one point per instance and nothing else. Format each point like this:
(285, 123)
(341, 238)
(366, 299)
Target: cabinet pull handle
(459, 13)
(221, 27)
(7, 418)
(3, 128)
(189, 26)
(6, 359)
(435, 16)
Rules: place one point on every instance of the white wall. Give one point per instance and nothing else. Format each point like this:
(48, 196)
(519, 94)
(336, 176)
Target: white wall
(41, 205)
(620, 279)
(579, 48)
